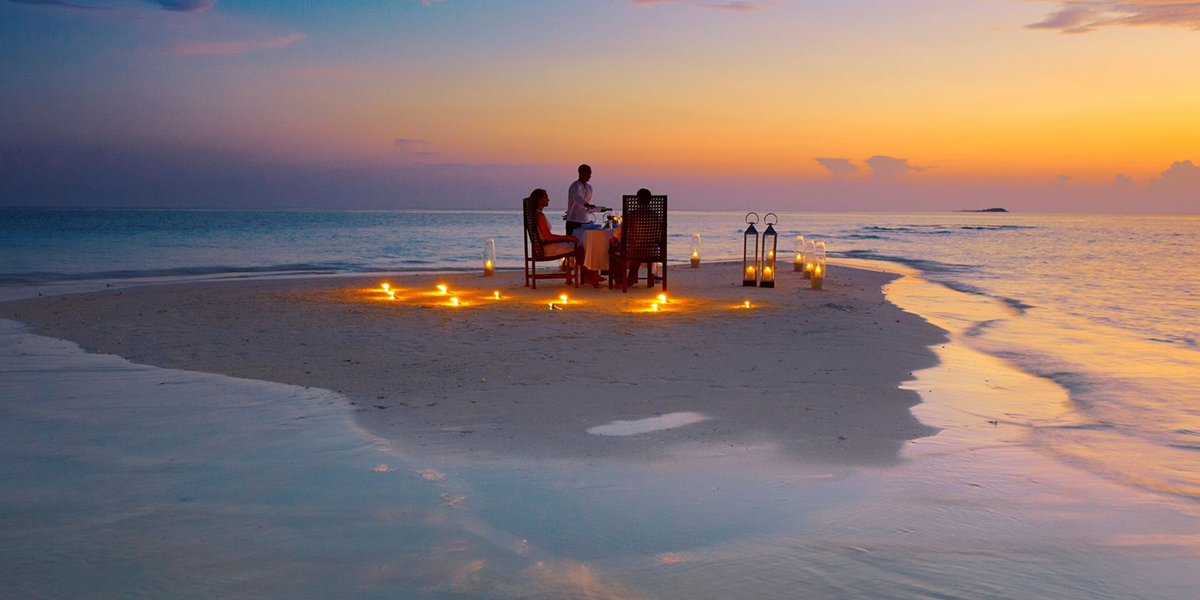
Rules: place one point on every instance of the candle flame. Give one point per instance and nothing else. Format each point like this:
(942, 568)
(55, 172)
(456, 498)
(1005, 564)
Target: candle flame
(496, 295)
(563, 298)
(442, 289)
(747, 304)
(662, 298)
(386, 287)
(655, 306)
(488, 265)
(766, 270)
(454, 302)
(695, 254)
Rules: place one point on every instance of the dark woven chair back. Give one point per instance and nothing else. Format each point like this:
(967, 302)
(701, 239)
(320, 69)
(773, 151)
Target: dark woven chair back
(537, 250)
(644, 229)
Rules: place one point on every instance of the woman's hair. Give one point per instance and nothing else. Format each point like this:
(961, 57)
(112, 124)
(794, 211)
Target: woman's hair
(538, 193)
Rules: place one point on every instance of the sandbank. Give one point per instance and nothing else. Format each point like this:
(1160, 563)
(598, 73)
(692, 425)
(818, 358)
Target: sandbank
(816, 372)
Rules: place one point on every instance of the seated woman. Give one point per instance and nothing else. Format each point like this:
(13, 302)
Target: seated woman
(640, 218)
(553, 245)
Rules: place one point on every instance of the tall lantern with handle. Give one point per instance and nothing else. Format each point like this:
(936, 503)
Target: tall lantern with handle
(818, 272)
(770, 243)
(750, 252)
(810, 252)
(489, 258)
(695, 251)
(798, 266)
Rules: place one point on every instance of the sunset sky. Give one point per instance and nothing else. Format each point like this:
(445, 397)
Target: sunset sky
(814, 104)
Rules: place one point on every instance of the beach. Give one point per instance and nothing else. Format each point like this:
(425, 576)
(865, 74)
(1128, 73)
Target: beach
(817, 371)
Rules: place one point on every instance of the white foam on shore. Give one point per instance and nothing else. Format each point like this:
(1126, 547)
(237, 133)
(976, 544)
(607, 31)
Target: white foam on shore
(640, 426)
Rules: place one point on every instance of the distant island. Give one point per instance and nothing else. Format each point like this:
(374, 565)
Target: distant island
(986, 210)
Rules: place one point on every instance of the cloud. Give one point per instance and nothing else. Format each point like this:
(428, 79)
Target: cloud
(839, 168)
(1083, 16)
(1122, 182)
(887, 168)
(1182, 176)
(192, 6)
(742, 6)
(60, 4)
(226, 48)
(426, 154)
(1062, 179)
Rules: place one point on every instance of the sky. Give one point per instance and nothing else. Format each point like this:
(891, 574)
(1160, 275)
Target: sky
(875, 105)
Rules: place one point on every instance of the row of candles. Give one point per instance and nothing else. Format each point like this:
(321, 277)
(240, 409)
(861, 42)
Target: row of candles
(810, 260)
(660, 301)
(758, 259)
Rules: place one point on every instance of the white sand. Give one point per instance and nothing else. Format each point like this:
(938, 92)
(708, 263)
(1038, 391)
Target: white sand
(815, 371)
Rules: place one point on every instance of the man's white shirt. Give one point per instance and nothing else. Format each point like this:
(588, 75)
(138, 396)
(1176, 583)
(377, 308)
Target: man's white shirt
(577, 198)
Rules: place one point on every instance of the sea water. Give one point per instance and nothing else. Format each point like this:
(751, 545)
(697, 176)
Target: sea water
(1105, 306)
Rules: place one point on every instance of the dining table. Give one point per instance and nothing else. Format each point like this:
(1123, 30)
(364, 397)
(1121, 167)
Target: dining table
(594, 239)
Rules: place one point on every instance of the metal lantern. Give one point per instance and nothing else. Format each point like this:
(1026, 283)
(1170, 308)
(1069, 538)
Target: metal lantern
(770, 243)
(489, 258)
(810, 251)
(799, 264)
(818, 272)
(750, 252)
(695, 251)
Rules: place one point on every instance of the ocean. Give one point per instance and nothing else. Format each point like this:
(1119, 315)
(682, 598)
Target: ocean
(1105, 306)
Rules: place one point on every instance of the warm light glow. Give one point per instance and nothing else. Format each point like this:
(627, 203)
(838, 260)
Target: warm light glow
(454, 302)
(747, 304)
(563, 298)
(386, 287)
(391, 295)
(771, 254)
(799, 257)
(750, 270)
(662, 298)
(496, 295)
(695, 254)
(767, 271)
(442, 289)
(487, 265)
(654, 306)
(817, 270)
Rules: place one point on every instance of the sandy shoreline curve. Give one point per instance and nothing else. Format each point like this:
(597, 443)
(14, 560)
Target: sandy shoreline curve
(816, 372)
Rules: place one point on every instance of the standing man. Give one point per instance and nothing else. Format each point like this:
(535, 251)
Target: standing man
(579, 200)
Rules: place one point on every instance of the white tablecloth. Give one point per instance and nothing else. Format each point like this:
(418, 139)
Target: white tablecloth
(595, 246)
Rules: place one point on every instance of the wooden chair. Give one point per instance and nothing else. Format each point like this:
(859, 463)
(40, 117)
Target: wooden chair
(535, 252)
(643, 239)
